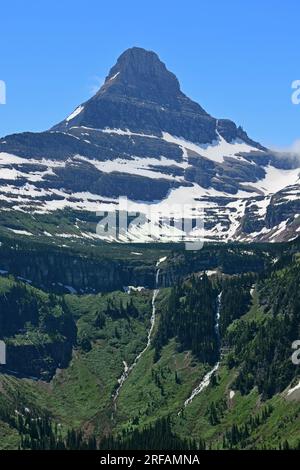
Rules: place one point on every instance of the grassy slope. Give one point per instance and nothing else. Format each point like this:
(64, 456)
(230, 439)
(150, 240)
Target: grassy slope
(152, 392)
(282, 424)
(80, 396)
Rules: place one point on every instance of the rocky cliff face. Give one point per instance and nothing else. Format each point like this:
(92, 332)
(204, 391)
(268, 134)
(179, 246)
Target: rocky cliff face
(63, 272)
(141, 137)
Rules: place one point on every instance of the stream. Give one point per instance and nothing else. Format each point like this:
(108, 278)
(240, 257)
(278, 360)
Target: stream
(127, 369)
(206, 379)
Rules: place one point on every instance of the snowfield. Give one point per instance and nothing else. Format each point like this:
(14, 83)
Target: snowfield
(215, 151)
(222, 221)
(276, 179)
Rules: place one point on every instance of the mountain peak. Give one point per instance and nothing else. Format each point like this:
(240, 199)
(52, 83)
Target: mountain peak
(142, 95)
(139, 59)
(141, 74)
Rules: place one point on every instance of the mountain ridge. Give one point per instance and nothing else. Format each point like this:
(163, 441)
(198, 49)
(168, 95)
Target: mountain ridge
(141, 137)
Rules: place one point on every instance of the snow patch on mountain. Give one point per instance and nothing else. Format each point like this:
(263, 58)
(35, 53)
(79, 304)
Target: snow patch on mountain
(75, 113)
(275, 180)
(114, 76)
(216, 150)
(127, 132)
(20, 232)
(139, 166)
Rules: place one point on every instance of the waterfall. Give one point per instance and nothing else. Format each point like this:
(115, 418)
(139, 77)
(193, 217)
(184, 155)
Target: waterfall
(206, 379)
(127, 369)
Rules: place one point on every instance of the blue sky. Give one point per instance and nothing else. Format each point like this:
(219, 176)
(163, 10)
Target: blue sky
(236, 58)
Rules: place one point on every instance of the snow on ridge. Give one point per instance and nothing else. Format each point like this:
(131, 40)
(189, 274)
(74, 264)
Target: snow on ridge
(261, 205)
(215, 151)
(139, 166)
(20, 232)
(235, 219)
(113, 77)
(108, 130)
(292, 390)
(75, 113)
(275, 180)
(279, 229)
(9, 159)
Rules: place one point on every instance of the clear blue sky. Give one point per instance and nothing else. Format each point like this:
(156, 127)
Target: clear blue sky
(236, 58)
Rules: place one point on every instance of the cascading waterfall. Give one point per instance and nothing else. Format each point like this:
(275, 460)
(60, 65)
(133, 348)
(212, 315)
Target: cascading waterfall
(206, 379)
(127, 369)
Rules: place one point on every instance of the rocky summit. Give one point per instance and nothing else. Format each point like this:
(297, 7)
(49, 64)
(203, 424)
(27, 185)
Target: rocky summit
(141, 137)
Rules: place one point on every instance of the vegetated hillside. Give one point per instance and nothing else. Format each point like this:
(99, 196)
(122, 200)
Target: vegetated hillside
(266, 360)
(246, 404)
(38, 329)
(111, 328)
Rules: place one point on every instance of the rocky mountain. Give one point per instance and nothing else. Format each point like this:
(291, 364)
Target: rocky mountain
(141, 137)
